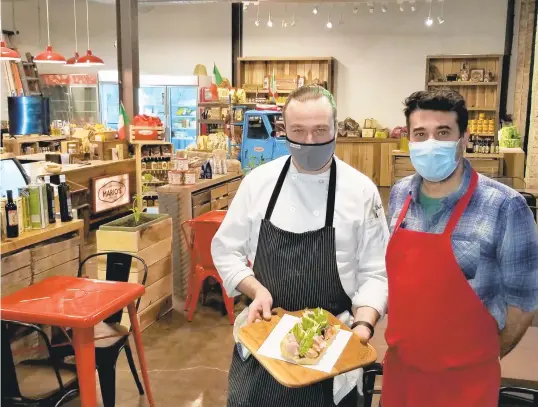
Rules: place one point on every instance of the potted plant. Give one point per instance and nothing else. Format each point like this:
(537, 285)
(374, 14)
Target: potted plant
(148, 236)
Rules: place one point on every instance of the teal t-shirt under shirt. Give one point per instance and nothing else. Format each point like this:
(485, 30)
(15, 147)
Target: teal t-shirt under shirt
(430, 205)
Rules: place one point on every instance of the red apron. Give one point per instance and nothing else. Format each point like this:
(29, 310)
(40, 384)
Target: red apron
(443, 343)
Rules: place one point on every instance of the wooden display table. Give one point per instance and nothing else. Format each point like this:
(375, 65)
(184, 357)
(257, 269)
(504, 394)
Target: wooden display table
(490, 165)
(370, 156)
(184, 202)
(37, 254)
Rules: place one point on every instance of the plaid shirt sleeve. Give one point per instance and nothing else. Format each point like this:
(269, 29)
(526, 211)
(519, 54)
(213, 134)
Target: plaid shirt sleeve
(517, 254)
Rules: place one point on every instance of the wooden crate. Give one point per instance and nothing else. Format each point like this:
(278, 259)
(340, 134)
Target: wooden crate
(154, 245)
(16, 272)
(252, 71)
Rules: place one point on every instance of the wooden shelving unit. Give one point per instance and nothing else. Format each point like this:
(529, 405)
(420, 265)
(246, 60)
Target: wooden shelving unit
(17, 144)
(481, 97)
(138, 144)
(252, 71)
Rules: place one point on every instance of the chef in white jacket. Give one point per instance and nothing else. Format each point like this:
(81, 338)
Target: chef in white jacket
(304, 231)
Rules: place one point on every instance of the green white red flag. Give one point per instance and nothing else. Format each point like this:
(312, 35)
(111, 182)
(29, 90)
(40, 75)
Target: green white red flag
(123, 122)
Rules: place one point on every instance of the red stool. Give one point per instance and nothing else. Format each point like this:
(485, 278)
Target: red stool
(202, 231)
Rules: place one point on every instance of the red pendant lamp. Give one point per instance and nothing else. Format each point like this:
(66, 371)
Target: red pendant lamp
(89, 59)
(74, 59)
(49, 56)
(6, 53)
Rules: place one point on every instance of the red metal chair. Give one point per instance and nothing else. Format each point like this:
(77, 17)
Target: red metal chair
(202, 230)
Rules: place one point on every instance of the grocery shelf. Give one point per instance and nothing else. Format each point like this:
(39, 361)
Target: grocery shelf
(481, 109)
(463, 83)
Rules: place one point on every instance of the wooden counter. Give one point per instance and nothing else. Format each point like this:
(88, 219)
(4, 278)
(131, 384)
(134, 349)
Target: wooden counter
(81, 177)
(490, 165)
(184, 202)
(32, 237)
(39, 254)
(514, 164)
(370, 156)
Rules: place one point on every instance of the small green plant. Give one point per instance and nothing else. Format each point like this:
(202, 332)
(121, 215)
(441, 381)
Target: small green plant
(138, 204)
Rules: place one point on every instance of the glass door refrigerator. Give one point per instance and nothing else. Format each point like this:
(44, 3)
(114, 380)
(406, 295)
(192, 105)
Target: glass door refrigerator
(183, 112)
(109, 96)
(152, 102)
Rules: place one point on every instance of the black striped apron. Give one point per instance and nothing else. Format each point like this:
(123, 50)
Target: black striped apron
(300, 271)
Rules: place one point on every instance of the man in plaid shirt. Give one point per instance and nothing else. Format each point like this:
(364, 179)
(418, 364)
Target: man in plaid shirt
(462, 266)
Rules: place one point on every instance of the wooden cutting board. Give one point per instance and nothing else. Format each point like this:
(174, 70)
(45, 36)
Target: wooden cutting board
(355, 354)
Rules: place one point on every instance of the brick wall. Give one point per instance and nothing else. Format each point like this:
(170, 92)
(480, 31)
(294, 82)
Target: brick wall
(524, 51)
(531, 174)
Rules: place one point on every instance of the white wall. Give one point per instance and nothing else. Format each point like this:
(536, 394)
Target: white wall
(173, 38)
(381, 57)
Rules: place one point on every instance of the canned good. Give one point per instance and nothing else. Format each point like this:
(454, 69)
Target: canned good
(189, 178)
(175, 177)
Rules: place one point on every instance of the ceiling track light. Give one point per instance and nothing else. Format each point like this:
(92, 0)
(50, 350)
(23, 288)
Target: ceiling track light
(329, 25)
(315, 10)
(402, 9)
(371, 8)
(293, 20)
(429, 21)
(412, 5)
(257, 22)
(269, 21)
(356, 9)
(441, 18)
(384, 8)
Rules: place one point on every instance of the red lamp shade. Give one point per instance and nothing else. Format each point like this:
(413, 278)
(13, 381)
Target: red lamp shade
(49, 57)
(7, 54)
(89, 59)
(73, 60)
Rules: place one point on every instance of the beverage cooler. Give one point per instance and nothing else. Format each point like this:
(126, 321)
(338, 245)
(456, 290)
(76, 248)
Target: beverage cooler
(174, 99)
(73, 97)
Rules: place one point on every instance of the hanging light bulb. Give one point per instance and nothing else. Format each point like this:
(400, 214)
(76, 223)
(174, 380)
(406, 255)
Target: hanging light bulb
(269, 21)
(89, 59)
(49, 56)
(315, 10)
(74, 59)
(412, 5)
(429, 21)
(329, 24)
(257, 22)
(371, 8)
(293, 20)
(384, 8)
(245, 5)
(441, 18)
(356, 9)
(402, 7)
(6, 53)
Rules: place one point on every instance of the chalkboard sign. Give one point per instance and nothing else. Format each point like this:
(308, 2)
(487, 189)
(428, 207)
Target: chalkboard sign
(28, 115)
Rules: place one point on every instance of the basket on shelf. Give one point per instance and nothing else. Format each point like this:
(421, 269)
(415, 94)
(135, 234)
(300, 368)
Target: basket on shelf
(146, 133)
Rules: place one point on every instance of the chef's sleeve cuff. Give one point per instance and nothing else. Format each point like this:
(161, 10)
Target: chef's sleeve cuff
(373, 293)
(232, 281)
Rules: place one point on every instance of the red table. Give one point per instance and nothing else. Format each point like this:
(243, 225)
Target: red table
(80, 304)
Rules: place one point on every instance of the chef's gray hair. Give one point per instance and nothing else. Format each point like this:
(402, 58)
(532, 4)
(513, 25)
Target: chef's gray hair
(311, 92)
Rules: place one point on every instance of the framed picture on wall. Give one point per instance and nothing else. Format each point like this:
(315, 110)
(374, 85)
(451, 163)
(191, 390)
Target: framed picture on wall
(477, 75)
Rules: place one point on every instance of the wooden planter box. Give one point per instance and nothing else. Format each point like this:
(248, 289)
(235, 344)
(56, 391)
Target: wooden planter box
(152, 241)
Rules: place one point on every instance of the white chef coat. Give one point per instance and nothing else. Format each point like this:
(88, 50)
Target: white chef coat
(359, 220)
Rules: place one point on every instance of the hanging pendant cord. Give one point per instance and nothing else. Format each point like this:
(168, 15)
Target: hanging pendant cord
(48, 24)
(75, 15)
(88, 24)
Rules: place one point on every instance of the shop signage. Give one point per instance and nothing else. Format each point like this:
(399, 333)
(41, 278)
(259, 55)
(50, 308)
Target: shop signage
(259, 149)
(110, 192)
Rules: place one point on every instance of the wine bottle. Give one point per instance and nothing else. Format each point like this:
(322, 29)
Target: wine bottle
(470, 145)
(50, 201)
(64, 196)
(12, 217)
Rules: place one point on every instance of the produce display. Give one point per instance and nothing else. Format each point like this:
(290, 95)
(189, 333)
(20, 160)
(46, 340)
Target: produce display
(147, 121)
(214, 141)
(510, 137)
(310, 338)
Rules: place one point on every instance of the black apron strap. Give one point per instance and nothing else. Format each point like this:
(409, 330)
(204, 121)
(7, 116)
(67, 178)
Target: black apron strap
(329, 216)
(278, 188)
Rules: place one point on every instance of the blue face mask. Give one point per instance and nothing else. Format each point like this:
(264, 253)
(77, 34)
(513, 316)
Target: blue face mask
(434, 160)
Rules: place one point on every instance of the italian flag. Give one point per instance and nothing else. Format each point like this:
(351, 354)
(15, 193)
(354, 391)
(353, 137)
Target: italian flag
(218, 77)
(272, 85)
(123, 122)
